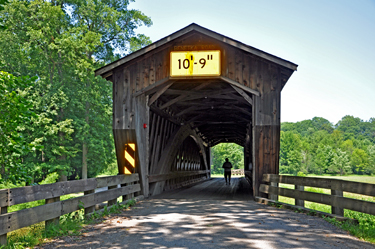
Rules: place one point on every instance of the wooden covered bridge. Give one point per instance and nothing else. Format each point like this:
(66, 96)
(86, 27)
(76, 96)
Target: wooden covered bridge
(187, 92)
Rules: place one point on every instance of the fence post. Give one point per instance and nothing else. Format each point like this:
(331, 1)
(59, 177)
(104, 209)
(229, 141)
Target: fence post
(54, 221)
(3, 238)
(113, 201)
(334, 209)
(128, 196)
(299, 202)
(91, 209)
(272, 196)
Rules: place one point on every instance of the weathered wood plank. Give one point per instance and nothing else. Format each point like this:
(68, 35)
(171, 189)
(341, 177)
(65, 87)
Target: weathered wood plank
(23, 218)
(54, 221)
(297, 201)
(16, 220)
(4, 200)
(233, 83)
(334, 209)
(303, 209)
(336, 201)
(244, 95)
(71, 205)
(90, 209)
(142, 137)
(114, 193)
(172, 175)
(3, 237)
(182, 97)
(336, 184)
(115, 180)
(160, 92)
(47, 191)
(152, 88)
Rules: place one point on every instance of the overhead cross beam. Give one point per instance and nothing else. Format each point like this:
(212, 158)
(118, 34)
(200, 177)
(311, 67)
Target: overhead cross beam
(181, 97)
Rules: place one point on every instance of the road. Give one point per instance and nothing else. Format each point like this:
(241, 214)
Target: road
(210, 215)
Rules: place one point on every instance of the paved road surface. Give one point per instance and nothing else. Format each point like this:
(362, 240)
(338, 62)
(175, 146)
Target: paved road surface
(210, 215)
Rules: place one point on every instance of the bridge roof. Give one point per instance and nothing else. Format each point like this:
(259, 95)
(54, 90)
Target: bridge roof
(191, 28)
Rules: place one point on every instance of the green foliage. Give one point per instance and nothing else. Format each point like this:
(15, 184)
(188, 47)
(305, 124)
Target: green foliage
(315, 146)
(290, 152)
(62, 44)
(231, 151)
(15, 113)
(300, 173)
(51, 178)
(340, 163)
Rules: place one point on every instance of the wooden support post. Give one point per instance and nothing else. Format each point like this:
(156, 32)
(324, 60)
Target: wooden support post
(90, 209)
(271, 196)
(3, 238)
(142, 138)
(299, 202)
(336, 210)
(54, 221)
(113, 201)
(129, 196)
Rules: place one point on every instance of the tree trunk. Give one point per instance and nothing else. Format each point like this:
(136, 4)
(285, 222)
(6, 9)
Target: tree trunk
(84, 145)
(62, 176)
(84, 161)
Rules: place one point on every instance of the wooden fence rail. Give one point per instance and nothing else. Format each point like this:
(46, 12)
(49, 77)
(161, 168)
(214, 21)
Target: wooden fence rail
(336, 200)
(236, 172)
(54, 208)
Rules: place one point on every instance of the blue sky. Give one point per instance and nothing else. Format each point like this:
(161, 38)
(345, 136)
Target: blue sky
(332, 41)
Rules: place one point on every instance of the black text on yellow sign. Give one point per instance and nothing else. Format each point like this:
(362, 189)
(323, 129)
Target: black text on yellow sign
(195, 63)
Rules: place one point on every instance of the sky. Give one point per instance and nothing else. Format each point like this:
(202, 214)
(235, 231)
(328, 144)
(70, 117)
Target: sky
(331, 41)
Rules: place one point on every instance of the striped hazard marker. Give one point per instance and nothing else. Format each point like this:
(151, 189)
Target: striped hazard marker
(129, 158)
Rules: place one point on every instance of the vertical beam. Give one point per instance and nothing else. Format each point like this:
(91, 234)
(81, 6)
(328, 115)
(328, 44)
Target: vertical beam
(142, 136)
(271, 196)
(90, 209)
(266, 123)
(113, 201)
(54, 221)
(334, 209)
(299, 202)
(3, 238)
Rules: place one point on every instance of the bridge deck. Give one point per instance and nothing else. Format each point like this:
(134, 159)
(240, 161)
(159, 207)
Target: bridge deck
(213, 189)
(210, 215)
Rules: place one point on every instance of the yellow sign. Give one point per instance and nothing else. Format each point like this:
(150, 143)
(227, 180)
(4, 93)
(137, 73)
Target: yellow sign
(195, 63)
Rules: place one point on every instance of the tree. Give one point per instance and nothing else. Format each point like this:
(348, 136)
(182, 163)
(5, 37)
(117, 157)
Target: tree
(231, 151)
(323, 159)
(290, 153)
(371, 160)
(2, 3)
(62, 42)
(359, 161)
(15, 113)
(340, 163)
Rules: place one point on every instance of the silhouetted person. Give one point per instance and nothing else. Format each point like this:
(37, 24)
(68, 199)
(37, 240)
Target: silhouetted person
(227, 171)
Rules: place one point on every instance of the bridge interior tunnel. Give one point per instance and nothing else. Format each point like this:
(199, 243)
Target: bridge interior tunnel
(212, 111)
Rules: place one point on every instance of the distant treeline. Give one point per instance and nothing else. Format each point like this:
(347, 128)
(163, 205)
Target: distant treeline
(318, 147)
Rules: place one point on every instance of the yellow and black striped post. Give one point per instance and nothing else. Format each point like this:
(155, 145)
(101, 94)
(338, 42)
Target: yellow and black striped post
(129, 158)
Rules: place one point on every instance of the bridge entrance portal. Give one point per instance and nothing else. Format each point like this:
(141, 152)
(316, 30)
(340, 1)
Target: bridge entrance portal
(178, 97)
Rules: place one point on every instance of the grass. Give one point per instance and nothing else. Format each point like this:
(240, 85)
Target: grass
(69, 225)
(365, 229)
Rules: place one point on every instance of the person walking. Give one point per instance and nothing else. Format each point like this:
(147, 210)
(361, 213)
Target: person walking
(227, 171)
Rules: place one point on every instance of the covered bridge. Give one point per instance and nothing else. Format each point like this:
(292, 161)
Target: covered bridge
(190, 91)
